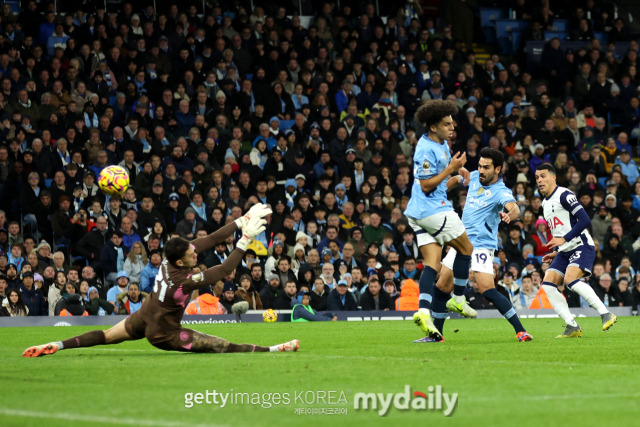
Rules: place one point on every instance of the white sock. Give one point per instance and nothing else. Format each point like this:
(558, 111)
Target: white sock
(589, 295)
(60, 346)
(274, 348)
(559, 304)
(459, 299)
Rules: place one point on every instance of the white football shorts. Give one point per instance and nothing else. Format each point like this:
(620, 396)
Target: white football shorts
(481, 260)
(438, 228)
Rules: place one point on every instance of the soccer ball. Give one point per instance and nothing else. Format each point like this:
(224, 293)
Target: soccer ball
(269, 316)
(113, 180)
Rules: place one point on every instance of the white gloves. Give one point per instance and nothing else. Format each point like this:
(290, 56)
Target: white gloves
(258, 210)
(251, 229)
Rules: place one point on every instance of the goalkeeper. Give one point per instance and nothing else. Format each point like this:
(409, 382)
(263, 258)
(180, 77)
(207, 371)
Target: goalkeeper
(158, 320)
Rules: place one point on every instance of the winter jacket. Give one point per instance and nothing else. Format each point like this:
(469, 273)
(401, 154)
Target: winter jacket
(34, 301)
(334, 302)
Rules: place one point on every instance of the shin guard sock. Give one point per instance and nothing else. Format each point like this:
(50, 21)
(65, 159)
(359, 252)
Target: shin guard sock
(589, 295)
(559, 303)
(439, 307)
(427, 280)
(505, 308)
(85, 340)
(460, 276)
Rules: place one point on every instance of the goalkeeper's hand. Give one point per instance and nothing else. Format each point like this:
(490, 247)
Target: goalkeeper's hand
(252, 228)
(258, 210)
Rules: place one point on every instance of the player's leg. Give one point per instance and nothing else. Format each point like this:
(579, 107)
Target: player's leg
(552, 278)
(455, 235)
(113, 335)
(197, 342)
(442, 292)
(573, 280)
(431, 251)
(488, 289)
(431, 255)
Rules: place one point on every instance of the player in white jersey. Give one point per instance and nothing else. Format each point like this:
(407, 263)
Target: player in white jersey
(487, 200)
(575, 254)
(430, 213)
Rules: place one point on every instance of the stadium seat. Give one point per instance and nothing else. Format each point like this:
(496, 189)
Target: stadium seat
(48, 182)
(562, 35)
(602, 36)
(286, 124)
(603, 181)
(560, 25)
(488, 17)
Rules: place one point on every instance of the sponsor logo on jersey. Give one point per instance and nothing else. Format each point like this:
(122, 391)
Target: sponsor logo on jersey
(555, 222)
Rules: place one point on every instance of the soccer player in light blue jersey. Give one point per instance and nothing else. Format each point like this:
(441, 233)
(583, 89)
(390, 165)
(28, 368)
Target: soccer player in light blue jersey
(431, 214)
(487, 199)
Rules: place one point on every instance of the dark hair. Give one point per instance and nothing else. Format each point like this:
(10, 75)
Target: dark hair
(19, 306)
(497, 158)
(547, 167)
(175, 249)
(432, 112)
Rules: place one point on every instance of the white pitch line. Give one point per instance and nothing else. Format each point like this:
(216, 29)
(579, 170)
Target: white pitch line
(69, 416)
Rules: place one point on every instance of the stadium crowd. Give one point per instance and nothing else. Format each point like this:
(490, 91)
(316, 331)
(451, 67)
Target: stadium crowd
(212, 113)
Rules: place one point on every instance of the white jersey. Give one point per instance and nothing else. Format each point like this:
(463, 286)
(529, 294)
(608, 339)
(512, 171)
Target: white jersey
(560, 209)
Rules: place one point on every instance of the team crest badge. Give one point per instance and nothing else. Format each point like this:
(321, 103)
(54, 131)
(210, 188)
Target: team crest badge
(480, 191)
(198, 277)
(487, 193)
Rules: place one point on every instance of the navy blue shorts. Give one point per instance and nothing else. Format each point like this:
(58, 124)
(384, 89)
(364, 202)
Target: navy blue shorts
(582, 257)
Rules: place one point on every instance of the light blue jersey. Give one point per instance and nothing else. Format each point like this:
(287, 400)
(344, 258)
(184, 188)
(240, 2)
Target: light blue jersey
(429, 160)
(481, 211)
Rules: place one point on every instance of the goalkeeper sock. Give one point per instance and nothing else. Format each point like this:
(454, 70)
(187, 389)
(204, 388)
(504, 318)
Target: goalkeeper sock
(85, 340)
(505, 308)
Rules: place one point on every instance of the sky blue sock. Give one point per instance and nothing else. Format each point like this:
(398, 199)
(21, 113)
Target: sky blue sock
(505, 308)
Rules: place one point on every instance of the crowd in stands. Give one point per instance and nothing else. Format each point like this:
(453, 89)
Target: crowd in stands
(211, 113)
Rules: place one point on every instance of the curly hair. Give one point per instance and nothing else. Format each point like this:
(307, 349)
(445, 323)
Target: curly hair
(432, 112)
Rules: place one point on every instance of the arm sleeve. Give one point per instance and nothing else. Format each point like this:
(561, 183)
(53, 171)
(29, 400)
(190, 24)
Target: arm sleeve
(213, 274)
(425, 164)
(212, 239)
(570, 202)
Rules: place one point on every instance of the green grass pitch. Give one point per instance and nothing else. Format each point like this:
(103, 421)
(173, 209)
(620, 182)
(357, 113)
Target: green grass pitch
(590, 381)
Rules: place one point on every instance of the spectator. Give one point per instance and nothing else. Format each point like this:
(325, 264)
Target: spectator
(13, 306)
(269, 294)
(135, 262)
(150, 270)
(340, 299)
(375, 297)
(32, 296)
(247, 292)
(97, 306)
(130, 301)
(121, 286)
